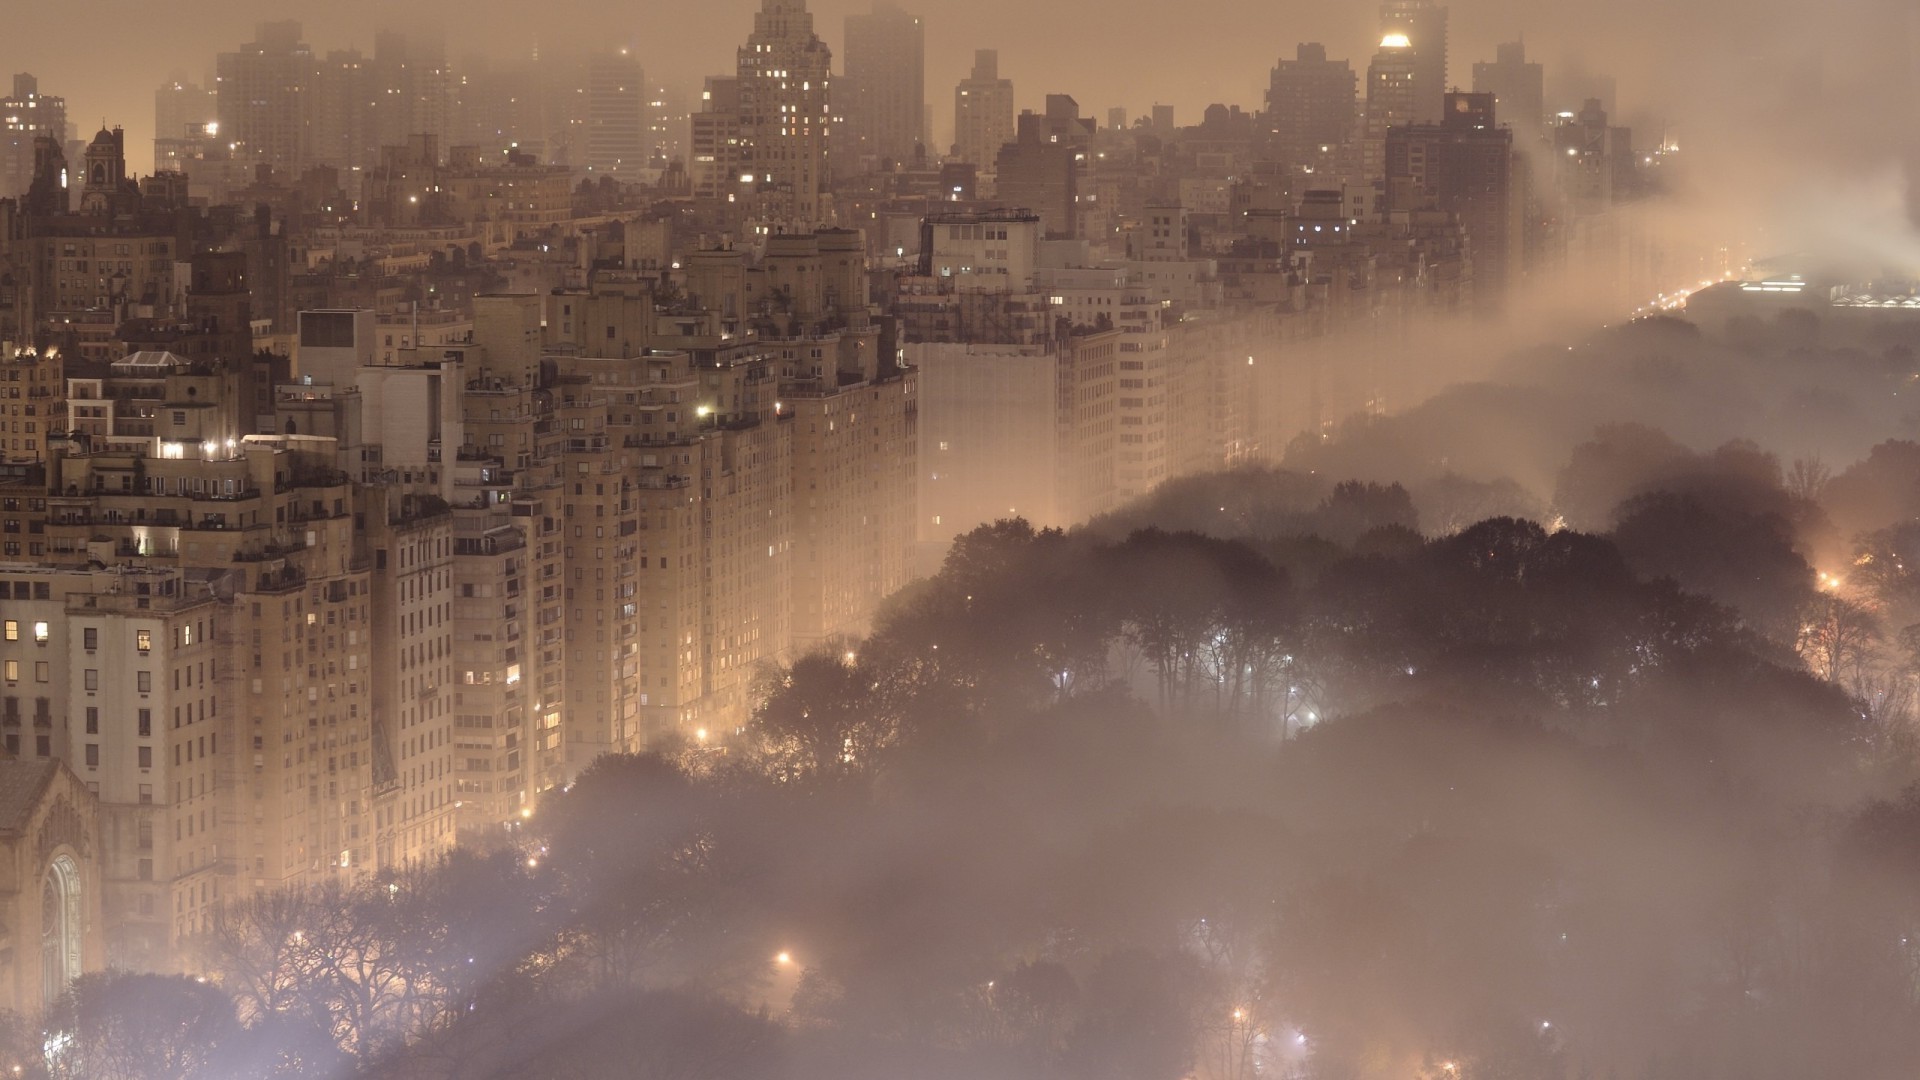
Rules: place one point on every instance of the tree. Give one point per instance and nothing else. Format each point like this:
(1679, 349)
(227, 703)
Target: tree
(118, 1025)
(820, 718)
(1837, 638)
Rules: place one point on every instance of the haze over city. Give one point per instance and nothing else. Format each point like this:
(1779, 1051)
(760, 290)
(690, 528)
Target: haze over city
(832, 540)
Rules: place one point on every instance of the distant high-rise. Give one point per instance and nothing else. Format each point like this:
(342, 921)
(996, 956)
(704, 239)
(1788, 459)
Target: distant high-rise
(1391, 85)
(1042, 168)
(982, 111)
(346, 111)
(1424, 23)
(1310, 105)
(1519, 88)
(180, 106)
(884, 90)
(785, 119)
(616, 115)
(25, 116)
(264, 96)
(1465, 166)
(715, 139)
(413, 88)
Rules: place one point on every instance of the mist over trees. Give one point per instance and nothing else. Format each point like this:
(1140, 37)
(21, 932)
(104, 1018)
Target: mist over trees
(1256, 776)
(1506, 737)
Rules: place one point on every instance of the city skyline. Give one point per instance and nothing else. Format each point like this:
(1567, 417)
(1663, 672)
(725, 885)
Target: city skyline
(1620, 39)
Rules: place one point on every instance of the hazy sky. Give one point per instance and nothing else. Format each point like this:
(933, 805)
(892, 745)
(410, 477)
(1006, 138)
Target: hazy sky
(1696, 64)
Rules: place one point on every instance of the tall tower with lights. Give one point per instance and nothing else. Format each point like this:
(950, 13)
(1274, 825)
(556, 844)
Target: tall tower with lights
(785, 119)
(1424, 24)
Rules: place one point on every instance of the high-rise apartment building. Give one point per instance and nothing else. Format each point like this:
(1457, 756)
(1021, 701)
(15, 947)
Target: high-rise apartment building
(1310, 106)
(883, 91)
(718, 156)
(785, 119)
(982, 111)
(1424, 24)
(617, 143)
(265, 91)
(181, 110)
(1519, 88)
(25, 115)
(1392, 85)
(1042, 168)
(346, 111)
(1465, 167)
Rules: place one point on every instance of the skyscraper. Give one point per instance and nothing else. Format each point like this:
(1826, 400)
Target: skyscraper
(785, 119)
(1424, 22)
(25, 116)
(884, 89)
(982, 111)
(1310, 105)
(1519, 88)
(616, 115)
(264, 91)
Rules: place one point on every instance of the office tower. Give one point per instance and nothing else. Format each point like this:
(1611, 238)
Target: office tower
(1424, 23)
(1310, 105)
(785, 119)
(264, 92)
(1163, 120)
(884, 88)
(982, 111)
(26, 115)
(616, 115)
(1465, 167)
(1519, 88)
(1041, 169)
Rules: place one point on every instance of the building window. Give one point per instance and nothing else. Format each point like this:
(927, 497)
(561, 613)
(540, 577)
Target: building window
(12, 630)
(90, 638)
(42, 671)
(146, 794)
(146, 757)
(143, 640)
(92, 678)
(146, 723)
(41, 632)
(43, 745)
(143, 681)
(93, 755)
(13, 671)
(93, 720)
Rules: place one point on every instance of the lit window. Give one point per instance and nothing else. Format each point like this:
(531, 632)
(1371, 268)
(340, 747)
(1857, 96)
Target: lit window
(143, 640)
(41, 632)
(13, 630)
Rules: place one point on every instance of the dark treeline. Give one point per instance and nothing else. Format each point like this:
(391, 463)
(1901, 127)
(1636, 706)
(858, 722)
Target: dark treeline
(1253, 774)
